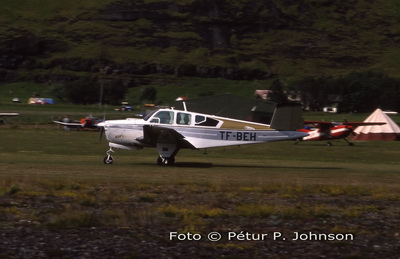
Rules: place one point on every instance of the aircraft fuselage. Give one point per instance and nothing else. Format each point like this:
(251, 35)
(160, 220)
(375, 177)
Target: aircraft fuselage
(336, 132)
(170, 130)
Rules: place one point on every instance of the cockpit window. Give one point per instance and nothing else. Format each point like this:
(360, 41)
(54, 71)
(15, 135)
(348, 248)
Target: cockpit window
(163, 117)
(183, 118)
(201, 120)
(149, 115)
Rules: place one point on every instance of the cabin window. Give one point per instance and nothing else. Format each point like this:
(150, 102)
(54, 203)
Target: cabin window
(183, 118)
(199, 119)
(205, 121)
(163, 117)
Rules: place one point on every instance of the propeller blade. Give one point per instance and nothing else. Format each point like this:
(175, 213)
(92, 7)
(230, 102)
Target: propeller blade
(351, 129)
(102, 124)
(101, 133)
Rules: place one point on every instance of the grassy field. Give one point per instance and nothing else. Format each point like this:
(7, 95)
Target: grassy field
(54, 180)
(74, 149)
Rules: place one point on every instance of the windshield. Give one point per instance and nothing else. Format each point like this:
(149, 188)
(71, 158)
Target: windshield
(163, 117)
(149, 115)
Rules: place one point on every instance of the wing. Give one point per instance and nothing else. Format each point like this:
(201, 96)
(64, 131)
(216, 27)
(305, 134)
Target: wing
(326, 125)
(356, 124)
(9, 114)
(320, 124)
(158, 134)
(69, 124)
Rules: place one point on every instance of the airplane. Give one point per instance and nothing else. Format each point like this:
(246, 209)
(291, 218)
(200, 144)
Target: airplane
(7, 114)
(86, 123)
(169, 130)
(322, 130)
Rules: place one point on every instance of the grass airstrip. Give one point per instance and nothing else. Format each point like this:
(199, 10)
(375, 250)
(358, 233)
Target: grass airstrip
(51, 179)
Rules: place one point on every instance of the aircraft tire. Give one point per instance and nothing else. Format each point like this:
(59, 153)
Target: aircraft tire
(108, 160)
(165, 161)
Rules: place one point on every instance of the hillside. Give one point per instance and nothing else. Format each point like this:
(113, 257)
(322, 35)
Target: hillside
(140, 41)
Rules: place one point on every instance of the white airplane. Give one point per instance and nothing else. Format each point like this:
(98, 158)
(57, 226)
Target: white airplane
(170, 130)
(7, 114)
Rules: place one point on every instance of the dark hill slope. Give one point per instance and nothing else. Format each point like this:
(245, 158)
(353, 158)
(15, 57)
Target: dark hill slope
(235, 39)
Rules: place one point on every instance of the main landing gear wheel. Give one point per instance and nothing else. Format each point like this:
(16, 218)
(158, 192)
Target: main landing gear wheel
(165, 161)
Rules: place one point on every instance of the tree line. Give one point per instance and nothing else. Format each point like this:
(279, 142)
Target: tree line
(354, 92)
(92, 90)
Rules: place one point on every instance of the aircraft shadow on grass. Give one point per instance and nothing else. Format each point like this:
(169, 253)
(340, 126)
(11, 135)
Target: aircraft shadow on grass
(187, 164)
(210, 165)
(280, 167)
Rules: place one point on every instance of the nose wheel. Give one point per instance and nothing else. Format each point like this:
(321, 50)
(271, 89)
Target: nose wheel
(108, 159)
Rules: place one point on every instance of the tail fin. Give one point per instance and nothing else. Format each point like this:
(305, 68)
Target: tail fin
(287, 117)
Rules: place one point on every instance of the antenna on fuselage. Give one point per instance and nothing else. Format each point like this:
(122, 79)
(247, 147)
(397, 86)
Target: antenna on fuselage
(184, 106)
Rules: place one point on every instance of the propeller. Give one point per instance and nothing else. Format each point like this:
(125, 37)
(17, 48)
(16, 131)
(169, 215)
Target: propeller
(349, 127)
(102, 124)
(101, 133)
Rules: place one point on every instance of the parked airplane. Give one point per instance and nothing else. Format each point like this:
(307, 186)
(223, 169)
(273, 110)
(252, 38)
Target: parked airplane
(7, 114)
(86, 123)
(170, 130)
(322, 130)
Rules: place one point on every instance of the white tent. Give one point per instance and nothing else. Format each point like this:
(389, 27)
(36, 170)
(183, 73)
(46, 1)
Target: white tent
(388, 131)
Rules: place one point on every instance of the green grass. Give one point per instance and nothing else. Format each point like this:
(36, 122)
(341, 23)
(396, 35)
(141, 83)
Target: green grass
(55, 180)
(23, 90)
(65, 152)
(170, 89)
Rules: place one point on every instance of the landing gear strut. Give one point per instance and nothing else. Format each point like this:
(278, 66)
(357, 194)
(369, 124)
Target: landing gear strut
(165, 161)
(108, 159)
(348, 142)
(167, 153)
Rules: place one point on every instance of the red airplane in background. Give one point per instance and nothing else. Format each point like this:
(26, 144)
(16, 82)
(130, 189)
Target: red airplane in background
(87, 123)
(322, 130)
